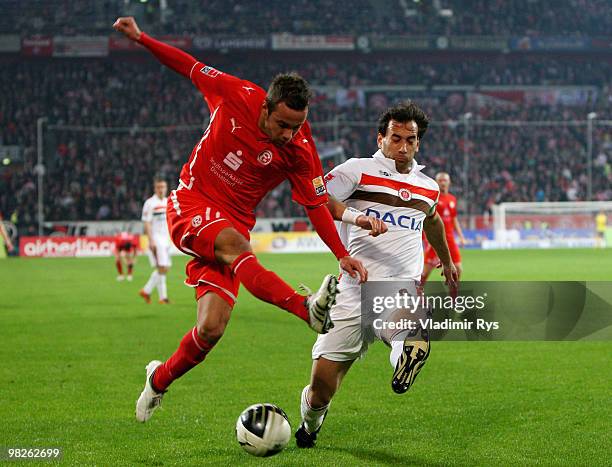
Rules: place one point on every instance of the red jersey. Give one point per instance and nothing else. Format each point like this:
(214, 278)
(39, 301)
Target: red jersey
(125, 240)
(447, 208)
(234, 165)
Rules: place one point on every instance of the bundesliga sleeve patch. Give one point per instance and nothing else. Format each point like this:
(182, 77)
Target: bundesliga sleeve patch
(210, 71)
(319, 186)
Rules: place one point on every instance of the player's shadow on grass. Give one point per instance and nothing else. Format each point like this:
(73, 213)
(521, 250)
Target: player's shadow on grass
(383, 457)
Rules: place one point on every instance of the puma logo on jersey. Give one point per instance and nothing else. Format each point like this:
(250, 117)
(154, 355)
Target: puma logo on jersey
(234, 125)
(248, 89)
(233, 161)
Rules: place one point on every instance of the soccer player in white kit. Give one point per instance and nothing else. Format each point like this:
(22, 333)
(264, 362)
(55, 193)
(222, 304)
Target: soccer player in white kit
(156, 230)
(391, 186)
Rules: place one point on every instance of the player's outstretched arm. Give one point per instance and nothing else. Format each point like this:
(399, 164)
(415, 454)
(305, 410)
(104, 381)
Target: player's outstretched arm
(434, 230)
(173, 58)
(341, 212)
(323, 223)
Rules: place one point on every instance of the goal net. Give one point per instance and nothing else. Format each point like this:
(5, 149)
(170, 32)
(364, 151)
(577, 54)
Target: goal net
(552, 225)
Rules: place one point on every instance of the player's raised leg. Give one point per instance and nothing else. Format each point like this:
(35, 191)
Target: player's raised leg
(409, 352)
(213, 315)
(233, 249)
(316, 398)
(409, 348)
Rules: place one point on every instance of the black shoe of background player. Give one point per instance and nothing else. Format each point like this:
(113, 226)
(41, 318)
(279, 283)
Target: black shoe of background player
(303, 439)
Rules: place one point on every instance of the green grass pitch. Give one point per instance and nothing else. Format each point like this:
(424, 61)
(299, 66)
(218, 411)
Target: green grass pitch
(74, 344)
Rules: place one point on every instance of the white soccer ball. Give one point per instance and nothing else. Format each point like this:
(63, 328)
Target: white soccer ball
(263, 430)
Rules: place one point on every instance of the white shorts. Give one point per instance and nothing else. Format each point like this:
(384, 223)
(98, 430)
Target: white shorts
(345, 341)
(162, 255)
(349, 339)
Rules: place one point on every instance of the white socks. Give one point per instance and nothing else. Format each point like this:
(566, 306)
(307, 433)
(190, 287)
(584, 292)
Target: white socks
(397, 347)
(162, 290)
(152, 282)
(312, 418)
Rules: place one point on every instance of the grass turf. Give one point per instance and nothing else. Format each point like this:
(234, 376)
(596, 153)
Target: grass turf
(74, 344)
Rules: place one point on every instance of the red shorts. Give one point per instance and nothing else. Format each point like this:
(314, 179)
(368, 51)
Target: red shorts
(432, 259)
(194, 223)
(127, 247)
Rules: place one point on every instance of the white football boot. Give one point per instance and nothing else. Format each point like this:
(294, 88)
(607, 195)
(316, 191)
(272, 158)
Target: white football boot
(149, 399)
(320, 303)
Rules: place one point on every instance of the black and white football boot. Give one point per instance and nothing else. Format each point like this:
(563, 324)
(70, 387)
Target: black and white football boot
(413, 357)
(320, 303)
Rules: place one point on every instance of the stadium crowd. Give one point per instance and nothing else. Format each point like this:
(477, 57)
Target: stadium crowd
(105, 174)
(242, 17)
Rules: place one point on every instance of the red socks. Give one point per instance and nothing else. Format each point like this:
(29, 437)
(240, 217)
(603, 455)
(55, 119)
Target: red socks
(262, 283)
(267, 286)
(119, 266)
(191, 351)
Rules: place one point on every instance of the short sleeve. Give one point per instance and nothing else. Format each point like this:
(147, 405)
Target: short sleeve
(212, 83)
(434, 206)
(147, 212)
(343, 179)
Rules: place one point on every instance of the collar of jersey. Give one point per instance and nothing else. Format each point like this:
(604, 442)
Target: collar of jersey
(390, 164)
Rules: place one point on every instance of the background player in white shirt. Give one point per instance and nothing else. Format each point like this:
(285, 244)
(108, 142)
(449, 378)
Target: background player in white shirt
(156, 230)
(390, 186)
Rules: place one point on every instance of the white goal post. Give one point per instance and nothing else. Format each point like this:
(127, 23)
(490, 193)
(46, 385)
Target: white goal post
(550, 224)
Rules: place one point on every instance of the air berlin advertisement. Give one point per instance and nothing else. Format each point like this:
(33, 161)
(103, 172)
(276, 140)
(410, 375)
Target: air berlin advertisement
(66, 246)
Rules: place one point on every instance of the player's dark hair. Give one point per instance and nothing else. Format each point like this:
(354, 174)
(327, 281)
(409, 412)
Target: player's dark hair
(403, 113)
(289, 88)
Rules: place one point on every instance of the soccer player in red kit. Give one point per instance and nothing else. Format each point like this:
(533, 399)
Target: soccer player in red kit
(125, 249)
(447, 208)
(253, 142)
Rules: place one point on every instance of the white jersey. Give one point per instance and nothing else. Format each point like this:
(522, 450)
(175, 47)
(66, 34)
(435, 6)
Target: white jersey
(154, 211)
(375, 187)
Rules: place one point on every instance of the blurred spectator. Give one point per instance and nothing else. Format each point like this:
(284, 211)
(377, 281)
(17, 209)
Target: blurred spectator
(243, 17)
(107, 173)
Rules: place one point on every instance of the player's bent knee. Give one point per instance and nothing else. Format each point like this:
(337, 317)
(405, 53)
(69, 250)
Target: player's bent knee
(211, 332)
(213, 315)
(230, 244)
